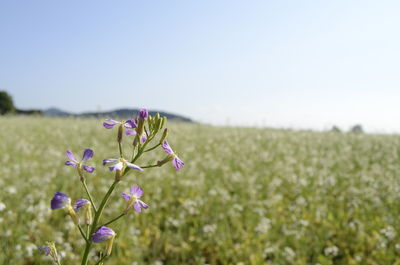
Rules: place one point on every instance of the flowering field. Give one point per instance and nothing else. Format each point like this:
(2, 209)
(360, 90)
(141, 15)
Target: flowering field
(245, 196)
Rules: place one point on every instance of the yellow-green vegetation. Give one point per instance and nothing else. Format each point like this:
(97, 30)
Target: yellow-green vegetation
(245, 196)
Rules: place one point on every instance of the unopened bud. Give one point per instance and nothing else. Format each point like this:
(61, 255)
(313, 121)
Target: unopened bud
(167, 159)
(163, 121)
(120, 133)
(164, 135)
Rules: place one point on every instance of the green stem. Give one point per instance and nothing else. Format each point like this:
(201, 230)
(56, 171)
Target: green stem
(83, 234)
(89, 195)
(152, 148)
(95, 221)
(149, 166)
(120, 149)
(113, 220)
(100, 260)
(58, 261)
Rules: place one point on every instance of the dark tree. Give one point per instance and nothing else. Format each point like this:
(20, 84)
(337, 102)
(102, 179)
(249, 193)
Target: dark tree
(6, 103)
(357, 129)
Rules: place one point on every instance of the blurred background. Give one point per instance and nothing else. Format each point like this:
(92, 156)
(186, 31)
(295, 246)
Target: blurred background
(284, 112)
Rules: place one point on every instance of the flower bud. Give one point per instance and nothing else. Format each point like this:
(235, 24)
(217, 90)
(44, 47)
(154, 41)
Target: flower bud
(143, 115)
(164, 135)
(163, 121)
(167, 159)
(120, 133)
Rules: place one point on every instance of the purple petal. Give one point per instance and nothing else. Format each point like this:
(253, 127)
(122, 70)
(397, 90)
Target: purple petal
(130, 132)
(108, 125)
(167, 148)
(70, 155)
(102, 234)
(88, 169)
(143, 138)
(133, 166)
(60, 200)
(143, 114)
(143, 205)
(80, 203)
(137, 208)
(111, 123)
(117, 167)
(136, 191)
(45, 250)
(87, 154)
(71, 163)
(110, 160)
(131, 124)
(178, 163)
(126, 196)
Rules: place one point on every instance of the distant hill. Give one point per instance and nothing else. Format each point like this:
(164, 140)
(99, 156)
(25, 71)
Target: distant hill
(118, 113)
(55, 112)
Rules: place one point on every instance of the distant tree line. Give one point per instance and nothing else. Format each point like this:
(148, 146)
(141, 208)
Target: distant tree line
(354, 129)
(7, 106)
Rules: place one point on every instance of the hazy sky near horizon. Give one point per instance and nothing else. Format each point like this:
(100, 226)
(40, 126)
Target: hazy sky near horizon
(302, 64)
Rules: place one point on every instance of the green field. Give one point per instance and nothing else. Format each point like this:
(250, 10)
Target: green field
(245, 196)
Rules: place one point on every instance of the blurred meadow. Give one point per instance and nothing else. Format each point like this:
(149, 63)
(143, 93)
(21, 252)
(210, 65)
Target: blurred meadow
(245, 195)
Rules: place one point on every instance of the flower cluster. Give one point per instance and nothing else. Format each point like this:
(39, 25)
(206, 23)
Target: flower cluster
(144, 128)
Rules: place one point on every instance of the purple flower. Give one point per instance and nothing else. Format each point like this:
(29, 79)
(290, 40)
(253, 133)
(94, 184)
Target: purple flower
(129, 125)
(80, 203)
(133, 199)
(87, 154)
(176, 161)
(143, 114)
(120, 164)
(60, 201)
(102, 234)
(45, 249)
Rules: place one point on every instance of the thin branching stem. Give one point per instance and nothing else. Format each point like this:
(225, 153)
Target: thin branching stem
(152, 148)
(149, 166)
(115, 219)
(82, 233)
(89, 195)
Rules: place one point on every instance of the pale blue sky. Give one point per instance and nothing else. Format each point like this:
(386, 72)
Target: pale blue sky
(303, 64)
